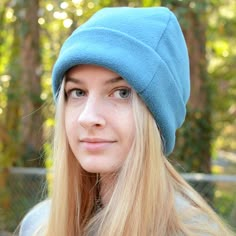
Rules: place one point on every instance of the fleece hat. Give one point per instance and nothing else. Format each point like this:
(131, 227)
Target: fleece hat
(146, 47)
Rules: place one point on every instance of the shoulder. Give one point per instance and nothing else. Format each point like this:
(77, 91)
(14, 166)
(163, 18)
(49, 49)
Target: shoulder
(35, 218)
(189, 210)
(191, 214)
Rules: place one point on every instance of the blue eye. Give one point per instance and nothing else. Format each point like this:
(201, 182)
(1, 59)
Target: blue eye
(75, 93)
(122, 93)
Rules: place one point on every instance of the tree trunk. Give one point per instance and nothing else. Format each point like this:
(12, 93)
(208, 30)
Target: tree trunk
(22, 126)
(199, 104)
(193, 146)
(31, 116)
(10, 125)
(10, 149)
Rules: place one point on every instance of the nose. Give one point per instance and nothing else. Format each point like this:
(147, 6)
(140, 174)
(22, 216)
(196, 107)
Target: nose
(92, 114)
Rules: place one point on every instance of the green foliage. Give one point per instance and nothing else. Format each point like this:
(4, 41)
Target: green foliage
(221, 54)
(218, 115)
(197, 129)
(10, 98)
(225, 194)
(193, 145)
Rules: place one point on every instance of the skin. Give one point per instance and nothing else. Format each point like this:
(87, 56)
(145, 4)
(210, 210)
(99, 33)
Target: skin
(98, 118)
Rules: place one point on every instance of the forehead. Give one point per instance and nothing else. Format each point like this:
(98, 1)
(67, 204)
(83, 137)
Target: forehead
(88, 72)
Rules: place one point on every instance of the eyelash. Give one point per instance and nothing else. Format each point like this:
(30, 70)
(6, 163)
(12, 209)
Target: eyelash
(122, 89)
(112, 94)
(70, 92)
(82, 93)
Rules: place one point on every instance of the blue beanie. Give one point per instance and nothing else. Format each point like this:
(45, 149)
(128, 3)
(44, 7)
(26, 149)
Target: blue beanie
(146, 47)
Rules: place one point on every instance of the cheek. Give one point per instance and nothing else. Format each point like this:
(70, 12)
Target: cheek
(70, 122)
(127, 125)
(130, 134)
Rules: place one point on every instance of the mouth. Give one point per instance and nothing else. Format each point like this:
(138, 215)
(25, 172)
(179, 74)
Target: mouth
(96, 144)
(96, 140)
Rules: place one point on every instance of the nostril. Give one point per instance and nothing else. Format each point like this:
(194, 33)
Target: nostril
(92, 114)
(92, 120)
(92, 123)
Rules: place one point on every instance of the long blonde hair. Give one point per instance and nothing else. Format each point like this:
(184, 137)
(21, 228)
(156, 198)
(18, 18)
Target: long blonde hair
(143, 201)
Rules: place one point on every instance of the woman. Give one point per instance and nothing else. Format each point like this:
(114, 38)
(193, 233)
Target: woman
(121, 84)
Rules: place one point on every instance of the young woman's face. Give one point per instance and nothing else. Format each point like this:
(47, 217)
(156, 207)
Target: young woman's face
(98, 118)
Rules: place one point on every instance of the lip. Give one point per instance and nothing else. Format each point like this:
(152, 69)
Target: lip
(95, 144)
(96, 140)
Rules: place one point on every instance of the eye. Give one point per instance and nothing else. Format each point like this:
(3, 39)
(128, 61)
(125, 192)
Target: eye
(122, 93)
(76, 93)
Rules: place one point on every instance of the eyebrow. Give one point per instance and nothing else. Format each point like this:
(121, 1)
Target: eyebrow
(114, 80)
(79, 81)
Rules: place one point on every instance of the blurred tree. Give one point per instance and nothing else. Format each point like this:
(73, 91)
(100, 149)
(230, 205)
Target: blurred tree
(221, 51)
(10, 139)
(57, 19)
(23, 119)
(21, 124)
(193, 146)
(31, 117)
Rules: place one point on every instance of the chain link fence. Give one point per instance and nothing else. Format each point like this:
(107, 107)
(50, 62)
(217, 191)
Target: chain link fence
(25, 187)
(219, 191)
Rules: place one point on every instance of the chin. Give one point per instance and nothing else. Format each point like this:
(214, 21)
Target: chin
(97, 169)
(91, 168)
(92, 165)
